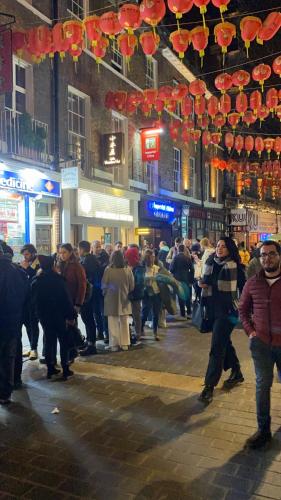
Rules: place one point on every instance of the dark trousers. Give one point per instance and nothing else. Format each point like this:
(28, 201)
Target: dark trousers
(87, 315)
(222, 354)
(100, 319)
(31, 324)
(186, 304)
(151, 303)
(197, 290)
(52, 336)
(8, 347)
(264, 357)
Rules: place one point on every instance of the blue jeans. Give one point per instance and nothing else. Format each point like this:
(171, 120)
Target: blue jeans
(264, 356)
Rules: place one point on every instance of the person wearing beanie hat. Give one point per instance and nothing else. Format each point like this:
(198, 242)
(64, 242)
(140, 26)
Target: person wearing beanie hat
(132, 257)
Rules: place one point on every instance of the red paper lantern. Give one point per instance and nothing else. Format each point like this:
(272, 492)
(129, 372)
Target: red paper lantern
(129, 17)
(73, 31)
(233, 120)
(203, 121)
(130, 108)
(277, 146)
(224, 33)
(219, 121)
(206, 138)
(249, 144)
(225, 104)
(213, 106)
(276, 66)
(150, 96)
(152, 11)
(185, 135)
(18, 42)
(241, 103)
(199, 38)
(229, 141)
(261, 73)
(249, 118)
(109, 24)
(197, 88)
(247, 183)
(61, 44)
(221, 4)
(165, 93)
(135, 97)
(255, 101)
(259, 145)
(202, 4)
(171, 106)
(249, 27)
(174, 129)
(223, 82)
(269, 145)
(159, 106)
(216, 138)
(99, 50)
(270, 27)
(272, 99)
(44, 41)
(239, 143)
(180, 7)
(92, 28)
(75, 53)
(180, 41)
(190, 124)
(195, 136)
(187, 106)
(200, 105)
(262, 113)
(149, 42)
(241, 78)
(179, 92)
(145, 108)
(127, 44)
(34, 44)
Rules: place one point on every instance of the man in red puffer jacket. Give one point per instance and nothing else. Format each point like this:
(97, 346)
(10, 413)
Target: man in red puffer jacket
(260, 313)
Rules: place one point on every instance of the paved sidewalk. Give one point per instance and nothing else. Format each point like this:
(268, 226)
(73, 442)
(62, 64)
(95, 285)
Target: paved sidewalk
(130, 427)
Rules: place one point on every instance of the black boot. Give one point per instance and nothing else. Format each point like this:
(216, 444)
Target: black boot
(206, 395)
(52, 371)
(236, 377)
(90, 350)
(258, 440)
(66, 372)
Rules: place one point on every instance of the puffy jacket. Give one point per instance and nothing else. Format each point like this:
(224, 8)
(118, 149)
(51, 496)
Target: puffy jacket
(260, 309)
(138, 292)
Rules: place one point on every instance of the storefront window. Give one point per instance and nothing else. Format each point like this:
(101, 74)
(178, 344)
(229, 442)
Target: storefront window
(12, 221)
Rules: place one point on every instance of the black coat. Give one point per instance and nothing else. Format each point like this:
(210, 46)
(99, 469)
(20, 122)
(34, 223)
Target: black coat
(92, 268)
(51, 300)
(182, 268)
(13, 292)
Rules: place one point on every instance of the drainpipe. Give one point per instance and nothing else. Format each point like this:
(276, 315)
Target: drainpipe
(55, 96)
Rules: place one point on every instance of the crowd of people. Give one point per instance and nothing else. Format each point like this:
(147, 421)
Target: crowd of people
(120, 291)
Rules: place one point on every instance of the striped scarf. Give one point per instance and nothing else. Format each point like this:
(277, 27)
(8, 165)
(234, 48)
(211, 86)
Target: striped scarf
(227, 279)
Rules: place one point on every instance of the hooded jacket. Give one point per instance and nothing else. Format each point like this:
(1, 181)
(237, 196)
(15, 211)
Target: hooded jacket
(260, 309)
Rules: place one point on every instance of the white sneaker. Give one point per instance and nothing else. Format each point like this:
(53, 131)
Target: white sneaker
(26, 354)
(33, 355)
(163, 324)
(125, 347)
(111, 348)
(149, 324)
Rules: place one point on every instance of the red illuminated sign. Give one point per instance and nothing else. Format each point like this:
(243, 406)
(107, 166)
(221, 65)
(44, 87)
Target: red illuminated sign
(6, 65)
(150, 144)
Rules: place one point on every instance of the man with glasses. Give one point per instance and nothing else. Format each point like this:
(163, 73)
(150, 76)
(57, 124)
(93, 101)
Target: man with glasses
(260, 312)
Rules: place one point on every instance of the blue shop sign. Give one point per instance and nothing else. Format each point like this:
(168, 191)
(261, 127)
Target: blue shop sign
(161, 210)
(27, 183)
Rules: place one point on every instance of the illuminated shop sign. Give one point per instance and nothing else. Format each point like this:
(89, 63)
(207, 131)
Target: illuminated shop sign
(161, 210)
(150, 145)
(28, 182)
(112, 149)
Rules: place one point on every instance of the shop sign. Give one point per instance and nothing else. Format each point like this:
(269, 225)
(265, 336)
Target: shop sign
(197, 213)
(267, 223)
(6, 62)
(161, 210)
(103, 206)
(252, 221)
(28, 183)
(150, 145)
(112, 149)
(8, 211)
(238, 217)
(70, 178)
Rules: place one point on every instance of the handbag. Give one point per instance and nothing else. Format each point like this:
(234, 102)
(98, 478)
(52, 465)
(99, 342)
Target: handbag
(200, 317)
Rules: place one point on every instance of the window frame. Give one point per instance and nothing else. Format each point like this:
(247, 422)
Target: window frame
(149, 175)
(177, 170)
(192, 177)
(151, 80)
(114, 63)
(17, 88)
(178, 108)
(84, 9)
(71, 132)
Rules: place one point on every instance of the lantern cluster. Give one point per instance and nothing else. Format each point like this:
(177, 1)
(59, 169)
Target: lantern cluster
(249, 144)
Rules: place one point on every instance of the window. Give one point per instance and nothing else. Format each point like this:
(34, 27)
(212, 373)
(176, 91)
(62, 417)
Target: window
(76, 125)
(118, 125)
(137, 163)
(192, 178)
(177, 170)
(17, 100)
(76, 7)
(178, 108)
(151, 73)
(149, 175)
(116, 58)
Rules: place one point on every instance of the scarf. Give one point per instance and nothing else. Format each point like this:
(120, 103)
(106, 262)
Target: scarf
(227, 279)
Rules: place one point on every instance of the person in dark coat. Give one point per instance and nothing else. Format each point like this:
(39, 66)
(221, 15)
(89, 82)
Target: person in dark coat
(98, 298)
(93, 270)
(182, 269)
(55, 310)
(13, 292)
